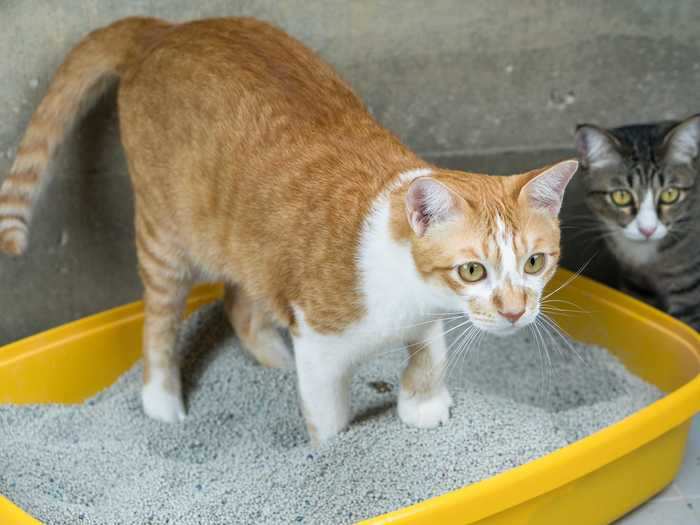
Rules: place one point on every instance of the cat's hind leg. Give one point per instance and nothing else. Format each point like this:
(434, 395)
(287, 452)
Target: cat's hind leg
(256, 329)
(424, 401)
(166, 283)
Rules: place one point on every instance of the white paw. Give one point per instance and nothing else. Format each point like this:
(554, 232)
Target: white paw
(326, 427)
(425, 411)
(161, 404)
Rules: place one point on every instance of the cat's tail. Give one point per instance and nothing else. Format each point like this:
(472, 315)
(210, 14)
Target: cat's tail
(100, 57)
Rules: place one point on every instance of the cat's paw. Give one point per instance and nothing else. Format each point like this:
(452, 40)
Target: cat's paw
(425, 411)
(161, 404)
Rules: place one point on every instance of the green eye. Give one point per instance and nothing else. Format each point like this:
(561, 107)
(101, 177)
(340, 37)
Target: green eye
(621, 197)
(472, 272)
(534, 263)
(669, 195)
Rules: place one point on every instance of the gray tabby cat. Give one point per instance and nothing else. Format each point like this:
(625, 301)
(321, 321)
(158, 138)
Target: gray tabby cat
(641, 185)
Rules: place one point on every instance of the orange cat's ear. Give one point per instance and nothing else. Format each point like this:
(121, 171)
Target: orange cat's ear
(429, 202)
(545, 191)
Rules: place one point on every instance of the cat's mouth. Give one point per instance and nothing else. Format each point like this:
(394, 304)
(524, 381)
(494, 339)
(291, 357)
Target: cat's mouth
(644, 233)
(505, 332)
(498, 328)
(641, 239)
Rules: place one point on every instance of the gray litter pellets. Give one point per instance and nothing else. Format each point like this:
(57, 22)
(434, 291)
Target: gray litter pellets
(242, 457)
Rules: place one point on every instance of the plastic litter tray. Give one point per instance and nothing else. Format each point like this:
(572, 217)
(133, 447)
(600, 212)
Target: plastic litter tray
(593, 481)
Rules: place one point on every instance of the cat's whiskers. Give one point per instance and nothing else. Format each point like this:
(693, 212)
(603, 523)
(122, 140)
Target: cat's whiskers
(573, 216)
(430, 321)
(557, 330)
(594, 233)
(422, 343)
(591, 227)
(422, 346)
(604, 235)
(557, 309)
(547, 360)
(551, 306)
(535, 338)
(554, 329)
(551, 338)
(572, 278)
(575, 221)
(563, 301)
(458, 342)
(472, 349)
(468, 337)
(569, 225)
(561, 313)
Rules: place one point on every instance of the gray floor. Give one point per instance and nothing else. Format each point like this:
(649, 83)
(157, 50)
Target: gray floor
(679, 504)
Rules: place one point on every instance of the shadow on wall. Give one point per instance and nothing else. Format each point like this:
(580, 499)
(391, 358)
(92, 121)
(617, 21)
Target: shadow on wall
(81, 257)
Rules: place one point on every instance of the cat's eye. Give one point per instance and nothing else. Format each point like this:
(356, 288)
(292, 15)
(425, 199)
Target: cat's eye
(534, 263)
(621, 197)
(472, 272)
(669, 195)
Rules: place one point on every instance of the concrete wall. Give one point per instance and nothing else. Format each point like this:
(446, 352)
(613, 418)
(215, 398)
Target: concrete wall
(450, 77)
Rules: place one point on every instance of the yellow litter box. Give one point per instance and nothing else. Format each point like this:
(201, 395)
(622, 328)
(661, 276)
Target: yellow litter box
(593, 481)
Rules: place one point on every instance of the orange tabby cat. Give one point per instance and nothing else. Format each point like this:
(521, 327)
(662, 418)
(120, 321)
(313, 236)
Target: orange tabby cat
(252, 162)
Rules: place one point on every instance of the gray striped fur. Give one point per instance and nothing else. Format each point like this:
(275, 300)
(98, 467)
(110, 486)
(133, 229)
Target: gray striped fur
(639, 159)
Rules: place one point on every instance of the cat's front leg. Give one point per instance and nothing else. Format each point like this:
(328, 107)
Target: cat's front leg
(324, 373)
(424, 401)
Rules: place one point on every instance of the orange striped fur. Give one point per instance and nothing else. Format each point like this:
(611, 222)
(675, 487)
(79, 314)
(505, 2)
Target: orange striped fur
(84, 75)
(254, 163)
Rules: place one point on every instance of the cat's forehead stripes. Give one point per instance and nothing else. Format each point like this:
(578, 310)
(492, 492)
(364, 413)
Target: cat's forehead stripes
(644, 174)
(513, 247)
(506, 241)
(505, 244)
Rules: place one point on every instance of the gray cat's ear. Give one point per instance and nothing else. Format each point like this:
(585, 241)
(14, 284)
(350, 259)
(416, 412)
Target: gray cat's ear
(545, 191)
(682, 141)
(428, 202)
(596, 147)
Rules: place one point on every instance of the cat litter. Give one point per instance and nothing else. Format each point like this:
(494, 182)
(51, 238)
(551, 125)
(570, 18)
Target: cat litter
(242, 454)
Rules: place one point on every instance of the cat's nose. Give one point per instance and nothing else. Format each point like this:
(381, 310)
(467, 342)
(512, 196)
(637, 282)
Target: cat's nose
(512, 316)
(647, 231)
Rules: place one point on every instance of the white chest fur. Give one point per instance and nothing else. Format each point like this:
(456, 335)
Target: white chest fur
(634, 253)
(397, 303)
(397, 300)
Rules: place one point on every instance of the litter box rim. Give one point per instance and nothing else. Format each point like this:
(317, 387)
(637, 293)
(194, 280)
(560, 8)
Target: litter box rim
(516, 486)
(477, 501)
